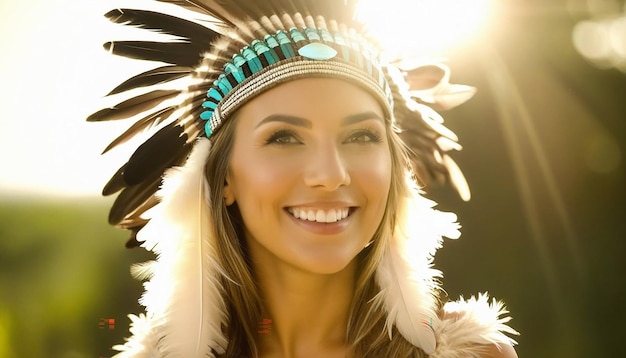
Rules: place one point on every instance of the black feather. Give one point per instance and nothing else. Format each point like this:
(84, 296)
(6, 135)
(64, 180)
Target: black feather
(170, 137)
(132, 240)
(152, 120)
(135, 218)
(195, 39)
(152, 77)
(131, 198)
(176, 53)
(214, 8)
(163, 23)
(141, 194)
(155, 154)
(116, 183)
(233, 10)
(133, 106)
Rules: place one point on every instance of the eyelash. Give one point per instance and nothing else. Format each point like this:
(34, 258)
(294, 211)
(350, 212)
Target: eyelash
(372, 136)
(279, 137)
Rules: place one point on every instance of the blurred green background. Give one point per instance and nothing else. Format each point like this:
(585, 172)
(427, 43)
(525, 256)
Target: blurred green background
(63, 272)
(544, 152)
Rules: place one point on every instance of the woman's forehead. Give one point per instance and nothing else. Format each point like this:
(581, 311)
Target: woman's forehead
(311, 98)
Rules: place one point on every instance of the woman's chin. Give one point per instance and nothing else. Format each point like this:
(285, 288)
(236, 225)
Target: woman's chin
(324, 264)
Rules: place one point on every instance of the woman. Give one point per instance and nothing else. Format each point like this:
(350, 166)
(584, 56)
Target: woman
(288, 223)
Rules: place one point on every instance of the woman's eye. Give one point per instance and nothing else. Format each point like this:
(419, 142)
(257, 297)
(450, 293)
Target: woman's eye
(364, 137)
(283, 137)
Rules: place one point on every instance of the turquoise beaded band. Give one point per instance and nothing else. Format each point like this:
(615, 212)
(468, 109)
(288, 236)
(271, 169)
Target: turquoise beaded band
(287, 56)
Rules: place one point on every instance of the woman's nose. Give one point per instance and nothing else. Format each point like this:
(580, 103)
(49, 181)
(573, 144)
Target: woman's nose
(326, 168)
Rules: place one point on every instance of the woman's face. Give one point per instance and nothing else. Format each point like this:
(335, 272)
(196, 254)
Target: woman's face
(310, 171)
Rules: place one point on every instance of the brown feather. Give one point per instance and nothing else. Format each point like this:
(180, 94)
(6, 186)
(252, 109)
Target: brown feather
(156, 154)
(156, 76)
(133, 106)
(152, 120)
(131, 198)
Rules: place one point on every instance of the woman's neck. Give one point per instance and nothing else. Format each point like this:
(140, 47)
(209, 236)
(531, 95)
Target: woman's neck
(309, 312)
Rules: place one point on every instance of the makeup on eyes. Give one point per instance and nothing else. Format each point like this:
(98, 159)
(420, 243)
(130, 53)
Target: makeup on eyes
(286, 134)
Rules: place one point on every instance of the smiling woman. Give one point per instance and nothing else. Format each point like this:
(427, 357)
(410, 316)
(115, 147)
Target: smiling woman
(280, 190)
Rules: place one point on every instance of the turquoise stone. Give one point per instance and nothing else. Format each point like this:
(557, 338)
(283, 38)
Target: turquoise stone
(282, 38)
(317, 51)
(312, 34)
(206, 115)
(209, 104)
(213, 93)
(252, 59)
(261, 48)
(287, 50)
(345, 51)
(237, 73)
(296, 35)
(223, 84)
(271, 41)
(238, 60)
(326, 36)
(285, 44)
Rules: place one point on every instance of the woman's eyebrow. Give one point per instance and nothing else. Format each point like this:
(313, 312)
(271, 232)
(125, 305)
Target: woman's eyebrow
(360, 117)
(296, 121)
(303, 122)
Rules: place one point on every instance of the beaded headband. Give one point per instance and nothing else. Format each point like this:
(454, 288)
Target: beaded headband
(289, 55)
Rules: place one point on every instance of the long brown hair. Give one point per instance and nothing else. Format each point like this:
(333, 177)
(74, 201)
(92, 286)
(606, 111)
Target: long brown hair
(366, 333)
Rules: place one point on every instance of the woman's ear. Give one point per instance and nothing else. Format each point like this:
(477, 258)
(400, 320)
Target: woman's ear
(227, 191)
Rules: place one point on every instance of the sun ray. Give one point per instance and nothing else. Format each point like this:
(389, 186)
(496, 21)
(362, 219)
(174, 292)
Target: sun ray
(513, 114)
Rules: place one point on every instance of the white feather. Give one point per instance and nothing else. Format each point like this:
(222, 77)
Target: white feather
(406, 277)
(470, 326)
(183, 299)
(143, 342)
(457, 178)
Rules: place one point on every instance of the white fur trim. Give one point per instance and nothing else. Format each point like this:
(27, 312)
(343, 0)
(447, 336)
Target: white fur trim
(469, 327)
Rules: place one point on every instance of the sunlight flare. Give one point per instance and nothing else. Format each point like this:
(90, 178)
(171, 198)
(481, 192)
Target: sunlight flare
(430, 26)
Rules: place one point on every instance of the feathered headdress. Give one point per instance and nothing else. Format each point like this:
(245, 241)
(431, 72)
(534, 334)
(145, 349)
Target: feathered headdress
(215, 60)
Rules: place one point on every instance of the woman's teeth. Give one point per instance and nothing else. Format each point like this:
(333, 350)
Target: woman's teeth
(319, 215)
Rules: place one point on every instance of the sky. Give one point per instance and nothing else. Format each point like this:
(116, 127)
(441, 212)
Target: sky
(53, 74)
